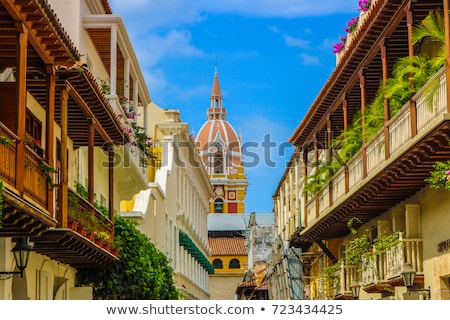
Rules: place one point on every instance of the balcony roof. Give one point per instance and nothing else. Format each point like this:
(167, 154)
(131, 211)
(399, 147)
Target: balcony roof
(400, 178)
(49, 45)
(70, 247)
(386, 22)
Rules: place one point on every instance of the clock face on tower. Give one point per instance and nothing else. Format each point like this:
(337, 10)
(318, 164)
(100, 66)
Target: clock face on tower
(216, 147)
(219, 191)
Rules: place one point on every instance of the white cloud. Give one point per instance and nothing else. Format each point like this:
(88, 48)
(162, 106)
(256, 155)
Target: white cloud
(295, 42)
(309, 60)
(175, 13)
(175, 43)
(153, 14)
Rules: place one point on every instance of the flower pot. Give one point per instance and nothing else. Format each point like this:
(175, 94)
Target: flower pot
(98, 241)
(73, 225)
(82, 230)
(90, 236)
(106, 246)
(115, 252)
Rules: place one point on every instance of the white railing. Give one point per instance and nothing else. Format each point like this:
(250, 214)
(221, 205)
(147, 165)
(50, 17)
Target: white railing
(374, 268)
(431, 100)
(324, 199)
(139, 159)
(338, 185)
(375, 152)
(406, 251)
(355, 171)
(344, 279)
(368, 274)
(400, 129)
(311, 211)
(399, 134)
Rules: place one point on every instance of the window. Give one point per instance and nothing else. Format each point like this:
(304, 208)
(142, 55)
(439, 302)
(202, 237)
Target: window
(217, 263)
(33, 128)
(218, 162)
(234, 264)
(218, 205)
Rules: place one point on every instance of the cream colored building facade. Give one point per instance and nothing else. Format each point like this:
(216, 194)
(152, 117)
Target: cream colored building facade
(288, 198)
(173, 210)
(381, 190)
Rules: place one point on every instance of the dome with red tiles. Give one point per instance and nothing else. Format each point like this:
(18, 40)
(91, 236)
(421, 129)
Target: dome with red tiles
(218, 142)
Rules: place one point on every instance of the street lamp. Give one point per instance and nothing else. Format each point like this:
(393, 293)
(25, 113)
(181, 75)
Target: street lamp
(408, 275)
(355, 288)
(21, 252)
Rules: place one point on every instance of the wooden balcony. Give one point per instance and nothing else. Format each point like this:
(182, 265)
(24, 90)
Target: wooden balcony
(27, 213)
(88, 241)
(375, 180)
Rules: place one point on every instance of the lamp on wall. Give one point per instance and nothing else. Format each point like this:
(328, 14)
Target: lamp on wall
(408, 275)
(21, 252)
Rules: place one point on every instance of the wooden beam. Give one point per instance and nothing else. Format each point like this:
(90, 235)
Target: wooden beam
(64, 184)
(447, 50)
(111, 182)
(50, 131)
(91, 161)
(21, 74)
(88, 113)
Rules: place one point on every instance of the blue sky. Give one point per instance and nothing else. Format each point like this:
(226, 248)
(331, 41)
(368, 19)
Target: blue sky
(273, 58)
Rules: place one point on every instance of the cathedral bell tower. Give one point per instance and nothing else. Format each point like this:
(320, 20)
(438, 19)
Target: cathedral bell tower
(221, 153)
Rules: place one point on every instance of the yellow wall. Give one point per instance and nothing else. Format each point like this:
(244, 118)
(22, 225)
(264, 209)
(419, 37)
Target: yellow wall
(243, 260)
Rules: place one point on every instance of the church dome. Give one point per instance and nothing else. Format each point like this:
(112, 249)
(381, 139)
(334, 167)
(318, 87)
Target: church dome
(217, 141)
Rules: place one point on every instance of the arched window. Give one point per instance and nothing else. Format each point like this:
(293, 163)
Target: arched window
(217, 263)
(218, 162)
(218, 205)
(234, 264)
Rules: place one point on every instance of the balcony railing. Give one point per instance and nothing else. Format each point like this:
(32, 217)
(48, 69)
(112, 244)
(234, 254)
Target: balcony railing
(8, 155)
(383, 266)
(140, 160)
(430, 105)
(35, 180)
(407, 251)
(345, 276)
(89, 220)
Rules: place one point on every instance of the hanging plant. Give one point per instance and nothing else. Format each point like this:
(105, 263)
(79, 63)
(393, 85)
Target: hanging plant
(356, 248)
(46, 169)
(440, 176)
(385, 242)
(6, 140)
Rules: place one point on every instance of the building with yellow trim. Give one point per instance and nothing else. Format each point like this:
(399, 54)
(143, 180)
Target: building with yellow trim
(173, 210)
(221, 153)
(220, 150)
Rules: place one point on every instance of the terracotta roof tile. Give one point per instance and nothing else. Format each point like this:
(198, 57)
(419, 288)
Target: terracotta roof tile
(227, 246)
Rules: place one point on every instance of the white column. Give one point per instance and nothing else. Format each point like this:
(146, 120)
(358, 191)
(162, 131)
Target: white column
(126, 80)
(136, 98)
(113, 62)
(6, 264)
